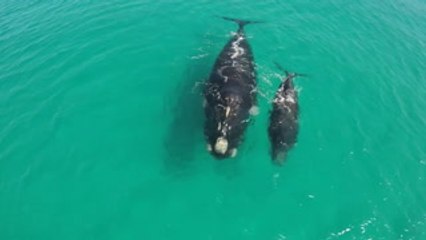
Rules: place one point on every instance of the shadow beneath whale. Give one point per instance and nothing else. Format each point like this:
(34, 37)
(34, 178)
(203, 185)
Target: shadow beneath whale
(185, 133)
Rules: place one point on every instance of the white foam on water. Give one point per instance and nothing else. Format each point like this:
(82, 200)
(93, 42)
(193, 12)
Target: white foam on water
(281, 237)
(365, 224)
(200, 56)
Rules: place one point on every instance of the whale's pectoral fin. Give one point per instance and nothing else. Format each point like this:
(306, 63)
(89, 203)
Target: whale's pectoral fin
(209, 147)
(233, 152)
(254, 111)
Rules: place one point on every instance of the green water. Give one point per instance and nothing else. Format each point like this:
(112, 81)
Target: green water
(101, 121)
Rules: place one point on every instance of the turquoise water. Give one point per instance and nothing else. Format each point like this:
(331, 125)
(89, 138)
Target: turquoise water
(101, 121)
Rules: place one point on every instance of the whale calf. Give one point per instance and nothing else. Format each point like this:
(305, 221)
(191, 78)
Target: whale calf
(230, 95)
(283, 120)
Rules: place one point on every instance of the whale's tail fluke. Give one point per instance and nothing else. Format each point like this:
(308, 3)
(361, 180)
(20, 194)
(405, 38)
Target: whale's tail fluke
(289, 74)
(241, 23)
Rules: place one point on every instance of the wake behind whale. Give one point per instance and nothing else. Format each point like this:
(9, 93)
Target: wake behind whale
(230, 95)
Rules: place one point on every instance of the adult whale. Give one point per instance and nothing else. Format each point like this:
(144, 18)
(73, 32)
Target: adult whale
(230, 95)
(283, 120)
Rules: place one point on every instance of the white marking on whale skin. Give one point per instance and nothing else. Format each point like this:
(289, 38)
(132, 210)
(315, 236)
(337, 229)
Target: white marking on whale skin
(220, 72)
(254, 111)
(228, 110)
(238, 51)
(279, 99)
(219, 126)
(289, 99)
(224, 129)
(221, 145)
(221, 106)
(238, 66)
(288, 108)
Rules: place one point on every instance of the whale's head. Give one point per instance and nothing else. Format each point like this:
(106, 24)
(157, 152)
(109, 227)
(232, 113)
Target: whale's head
(227, 118)
(221, 148)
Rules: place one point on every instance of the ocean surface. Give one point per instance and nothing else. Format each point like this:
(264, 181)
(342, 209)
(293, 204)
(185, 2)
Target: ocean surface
(101, 121)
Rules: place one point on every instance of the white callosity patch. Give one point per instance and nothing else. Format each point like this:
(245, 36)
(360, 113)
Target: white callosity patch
(221, 145)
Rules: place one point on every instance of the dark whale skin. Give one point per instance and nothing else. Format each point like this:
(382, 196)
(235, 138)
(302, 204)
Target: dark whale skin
(229, 94)
(283, 120)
